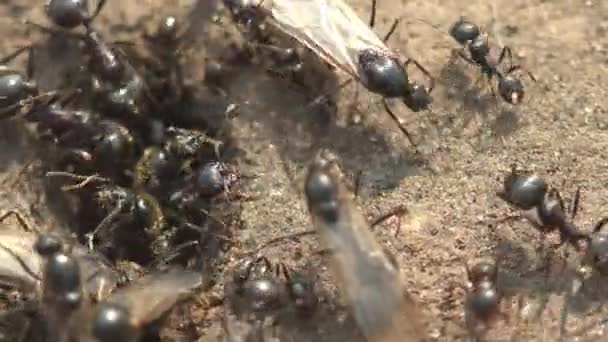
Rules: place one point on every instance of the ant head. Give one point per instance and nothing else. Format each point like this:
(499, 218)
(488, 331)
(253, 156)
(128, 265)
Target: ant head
(168, 28)
(245, 12)
(67, 13)
(463, 31)
(47, 245)
(523, 191)
(210, 179)
(511, 89)
(322, 191)
(417, 97)
(14, 87)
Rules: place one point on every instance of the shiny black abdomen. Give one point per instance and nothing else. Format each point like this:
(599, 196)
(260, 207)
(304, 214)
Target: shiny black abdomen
(382, 74)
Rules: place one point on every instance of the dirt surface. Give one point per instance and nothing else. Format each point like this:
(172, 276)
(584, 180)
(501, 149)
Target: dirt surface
(467, 143)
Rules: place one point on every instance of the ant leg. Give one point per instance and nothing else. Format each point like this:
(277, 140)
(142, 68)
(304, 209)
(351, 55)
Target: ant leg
(600, 224)
(519, 67)
(265, 261)
(357, 183)
(103, 225)
(372, 18)
(575, 202)
(22, 263)
(174, 253)
(284, 237)
(324, 98)
(84, 180)
(506, 52)
(398, 212)
(51, 30)
(424, 71)
(98, 9)
(15, 54)
(460, 53)
(555, 193)
(391, 30)
(399, 122)
(19, 218)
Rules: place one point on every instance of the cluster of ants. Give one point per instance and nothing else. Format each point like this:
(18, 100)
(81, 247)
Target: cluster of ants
(147, 177)
(145, 174)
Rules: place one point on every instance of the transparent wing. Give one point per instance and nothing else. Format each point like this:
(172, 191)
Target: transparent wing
(330, 28)
(98, 277)
(153, 295)
(17, 251)
(368, 277)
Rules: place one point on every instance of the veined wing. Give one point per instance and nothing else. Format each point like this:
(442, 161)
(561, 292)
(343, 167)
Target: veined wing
(151, 296)
(17, 251)
(367, 275)
(330, 28)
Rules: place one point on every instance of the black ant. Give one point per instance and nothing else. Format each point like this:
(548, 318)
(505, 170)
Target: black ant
(258, 283)
(484, 298)
(469, 35)
(544, 209)
(123, 91)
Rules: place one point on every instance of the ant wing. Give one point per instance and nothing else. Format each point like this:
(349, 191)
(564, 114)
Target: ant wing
(99, 279)
(330, 28)
(368, 276)
(150, 297)
(20, 265)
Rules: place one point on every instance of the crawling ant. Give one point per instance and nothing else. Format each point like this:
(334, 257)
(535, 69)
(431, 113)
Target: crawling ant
(259, 285)
(120, 87)
(469, 35)
(544, 209)
(484, 298)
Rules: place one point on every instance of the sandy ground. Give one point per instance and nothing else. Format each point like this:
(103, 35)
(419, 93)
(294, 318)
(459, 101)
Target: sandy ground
(467, 143)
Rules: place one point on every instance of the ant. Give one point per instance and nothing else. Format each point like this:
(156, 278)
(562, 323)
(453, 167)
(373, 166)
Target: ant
(544, 209)
(121, 88)
(469, 35)
(258, 283)
(484, 298)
